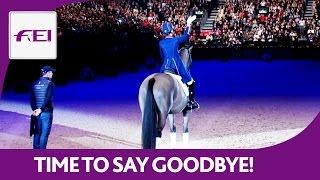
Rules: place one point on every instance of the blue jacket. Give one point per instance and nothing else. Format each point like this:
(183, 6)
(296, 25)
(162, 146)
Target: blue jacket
(169, 51)
(41, 96)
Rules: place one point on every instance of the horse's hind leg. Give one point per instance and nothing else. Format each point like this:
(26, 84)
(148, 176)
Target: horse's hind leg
(163, 103)
(161, 123)
(171, 121)
(173, 134)
(186, 117)
(185, 135)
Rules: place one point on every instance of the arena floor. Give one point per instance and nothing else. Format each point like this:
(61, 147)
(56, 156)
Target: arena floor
(244, 104)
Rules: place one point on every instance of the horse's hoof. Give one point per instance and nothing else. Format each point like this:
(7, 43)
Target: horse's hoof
(174, 129)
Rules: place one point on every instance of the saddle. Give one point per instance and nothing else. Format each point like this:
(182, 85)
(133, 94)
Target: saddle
(179, 80)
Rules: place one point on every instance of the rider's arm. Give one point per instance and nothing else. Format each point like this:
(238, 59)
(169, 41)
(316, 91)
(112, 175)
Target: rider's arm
(185, 37)
(161, 51)
(187, 29)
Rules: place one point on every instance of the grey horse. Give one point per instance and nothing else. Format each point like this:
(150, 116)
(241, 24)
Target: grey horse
(160, 97)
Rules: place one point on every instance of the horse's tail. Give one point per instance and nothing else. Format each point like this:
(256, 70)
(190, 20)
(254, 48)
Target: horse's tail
(149, 119)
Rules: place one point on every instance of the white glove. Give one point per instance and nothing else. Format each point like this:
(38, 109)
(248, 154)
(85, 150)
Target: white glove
(191, 19)
(190, 82)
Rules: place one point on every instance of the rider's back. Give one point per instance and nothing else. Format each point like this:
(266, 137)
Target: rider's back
(169, 50)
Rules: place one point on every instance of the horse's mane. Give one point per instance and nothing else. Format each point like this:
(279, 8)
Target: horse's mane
(181, 50)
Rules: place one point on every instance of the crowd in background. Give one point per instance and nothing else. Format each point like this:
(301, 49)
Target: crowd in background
(238, 23)
(316, 7)
(126, 16)
(263, 22)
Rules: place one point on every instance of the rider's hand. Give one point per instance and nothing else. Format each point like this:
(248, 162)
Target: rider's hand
(191, 19)
(36, 112)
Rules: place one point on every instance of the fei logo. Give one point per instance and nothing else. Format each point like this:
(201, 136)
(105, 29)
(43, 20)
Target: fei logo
(32, 35)
(35, 34)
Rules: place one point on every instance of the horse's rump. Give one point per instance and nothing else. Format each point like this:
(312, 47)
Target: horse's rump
(179, 80)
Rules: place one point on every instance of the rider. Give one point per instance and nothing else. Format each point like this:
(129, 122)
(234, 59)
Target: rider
(169, 50)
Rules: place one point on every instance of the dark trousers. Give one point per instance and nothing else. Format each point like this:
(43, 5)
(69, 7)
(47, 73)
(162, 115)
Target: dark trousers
(43, 125)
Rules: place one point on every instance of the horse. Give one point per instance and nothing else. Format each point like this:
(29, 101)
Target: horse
(160, 97)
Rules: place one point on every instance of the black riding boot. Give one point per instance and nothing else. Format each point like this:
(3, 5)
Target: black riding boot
(192, 104)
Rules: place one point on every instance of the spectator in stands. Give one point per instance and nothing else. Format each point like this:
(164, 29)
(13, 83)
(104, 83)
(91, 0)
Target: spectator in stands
(238, 21)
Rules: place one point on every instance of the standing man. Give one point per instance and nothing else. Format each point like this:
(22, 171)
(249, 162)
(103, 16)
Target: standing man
(41, 104)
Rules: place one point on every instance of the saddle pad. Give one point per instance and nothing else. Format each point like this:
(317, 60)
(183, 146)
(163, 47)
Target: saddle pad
(179, 79)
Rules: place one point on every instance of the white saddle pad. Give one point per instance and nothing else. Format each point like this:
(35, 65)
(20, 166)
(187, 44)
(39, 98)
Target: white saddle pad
(179, 79)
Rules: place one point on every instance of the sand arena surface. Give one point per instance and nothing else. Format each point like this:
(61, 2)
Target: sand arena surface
(229, 125)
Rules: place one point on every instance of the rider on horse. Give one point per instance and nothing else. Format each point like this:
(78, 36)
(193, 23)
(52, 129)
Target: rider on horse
(172, 63)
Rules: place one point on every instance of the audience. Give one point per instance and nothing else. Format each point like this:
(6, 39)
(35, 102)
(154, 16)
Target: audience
(239, 23)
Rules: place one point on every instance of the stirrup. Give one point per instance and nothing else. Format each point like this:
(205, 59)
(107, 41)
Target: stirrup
(193, 105)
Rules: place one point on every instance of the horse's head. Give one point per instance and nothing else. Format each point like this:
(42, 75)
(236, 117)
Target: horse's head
(185, 54)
